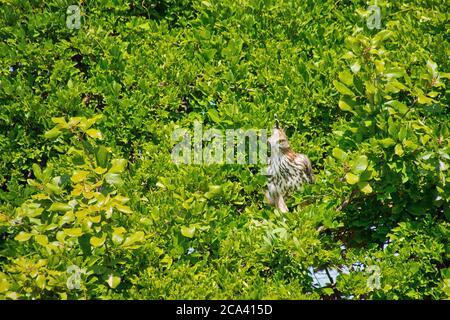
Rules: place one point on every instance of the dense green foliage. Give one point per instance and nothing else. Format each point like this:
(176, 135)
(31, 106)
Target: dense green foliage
(86, 177)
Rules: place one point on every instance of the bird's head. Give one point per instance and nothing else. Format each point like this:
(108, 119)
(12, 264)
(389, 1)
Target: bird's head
(278, 140)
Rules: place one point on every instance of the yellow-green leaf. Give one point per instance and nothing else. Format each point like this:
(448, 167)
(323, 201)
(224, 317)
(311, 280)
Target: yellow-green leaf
(123, 208)
(100, 170)
(22, 236)
(60, 122)
(345, 106)
(117, 165)
(386, 143)
(342, 88)
(119, 230)
(167, 261)
(351, 178)
(74, 121)
(214, 115)
(95, 219)
(113, 178)
(120, 199)
(58, 206)
(365, 187)
(79, 176)
(188, 231)
(117, 236)
(399, 150)
(40, 196)
(381, 36)
(41, 239)
(398, 106)
(97, 242)
(73, 232)
(138, 236)
(4, 284)
(424, 100)
(346, 77)
(339, 154)
(53, 133)
(360, 164)
(94, 133)
(113, 281)
(40, 281)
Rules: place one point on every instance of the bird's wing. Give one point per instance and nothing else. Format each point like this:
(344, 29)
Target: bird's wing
(302, 160)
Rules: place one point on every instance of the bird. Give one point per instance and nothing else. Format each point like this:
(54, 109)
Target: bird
(287, 170)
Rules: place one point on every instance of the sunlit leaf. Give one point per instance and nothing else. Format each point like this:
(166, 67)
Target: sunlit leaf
(113, 281)
(22, 236)
(188, 231)
(351, 178)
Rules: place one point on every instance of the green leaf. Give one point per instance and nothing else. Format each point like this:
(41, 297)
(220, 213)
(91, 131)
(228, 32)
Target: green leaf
(351, 178)
(94, 133)
(113, 178)
(89, 122)
(398, 106)
(53, 133)
(433, 94)
(58, 206)
(339, 154)
(342, 88)
(73, 232)
(346, 77)
(167, 261)
(206, 3)
(327, 291)
(100, 170)
(365, 176)
(347, 104)
(432, 67)
(22, 236)
(41, 239)
(97, 242)
(52, 188)
(399, 150)
(365, 187)
(123, 208)
(355, 67)
(32, 210)
(360, 164)
(214, 115)
(424, 100)
(213, 191)
(4, 283)
(40, 281)
(416, 209)
(121, 199)
(381, 36)
(37, 172)
(113, 281)
(117, 236)
(101, 157)
(79, 176)
(117, 165)
(387, 142)
(409, 145)
(188, 232)
(60, 123)
(131, 240)
(402, 133)
(74, 121)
